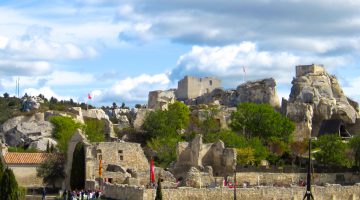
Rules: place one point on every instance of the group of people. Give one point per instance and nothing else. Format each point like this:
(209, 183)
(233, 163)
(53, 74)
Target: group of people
(81, 194)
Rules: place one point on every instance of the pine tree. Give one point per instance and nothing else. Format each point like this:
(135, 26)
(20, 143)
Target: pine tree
(9, 186)
(158, 190)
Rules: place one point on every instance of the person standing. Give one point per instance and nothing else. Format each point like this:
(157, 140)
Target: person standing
(43, 194)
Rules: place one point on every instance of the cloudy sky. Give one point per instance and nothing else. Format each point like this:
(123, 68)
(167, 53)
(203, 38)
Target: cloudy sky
(118, 50)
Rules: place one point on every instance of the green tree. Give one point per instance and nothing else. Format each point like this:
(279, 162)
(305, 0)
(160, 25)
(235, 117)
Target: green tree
(261, 120)
(9, 186)
(332, 151)
(95, 130)
(52, 170)
(165, 148)
(355, 146)
(65, 128)
(167, 122)
(6, 95)
(245, 156)
(158, 190)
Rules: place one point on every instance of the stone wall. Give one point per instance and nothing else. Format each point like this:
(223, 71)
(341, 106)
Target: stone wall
(267, 193)
(192, 87)
(262, 178)
(302, 70)
(26, 175)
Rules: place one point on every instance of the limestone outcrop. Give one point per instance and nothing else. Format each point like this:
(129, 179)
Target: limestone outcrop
(31, 131)
(260, 91)
(161, 99)
(31, 103)
(317, 96)
(200, 155)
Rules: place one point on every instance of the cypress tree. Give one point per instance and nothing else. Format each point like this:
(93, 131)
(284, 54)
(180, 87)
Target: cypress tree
(158, 190)
(9, 186)
(1, 172)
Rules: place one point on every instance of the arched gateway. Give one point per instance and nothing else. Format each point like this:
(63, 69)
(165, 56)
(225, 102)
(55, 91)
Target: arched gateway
(80, 146)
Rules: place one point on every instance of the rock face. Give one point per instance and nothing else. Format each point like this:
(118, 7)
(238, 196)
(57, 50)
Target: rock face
(31, 131)
(140, 117)
(161, 99)
(316, 96)
(95, 113)
(31, 103)
(261, 91)
(197, 179)
(199, 155)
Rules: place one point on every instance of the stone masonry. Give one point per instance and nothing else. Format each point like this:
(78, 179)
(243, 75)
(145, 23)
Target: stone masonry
(192, 87)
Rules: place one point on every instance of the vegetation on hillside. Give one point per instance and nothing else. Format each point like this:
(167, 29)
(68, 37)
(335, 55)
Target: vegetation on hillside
(65, 128)
(95, 129)
(163, 128)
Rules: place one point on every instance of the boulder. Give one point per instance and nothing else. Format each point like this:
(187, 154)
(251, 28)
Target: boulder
(161, 99)
(95, 113)
(165, 175)
(115, 168)
(196, 178)
(41, 144)
(262, 91)
(31, 103)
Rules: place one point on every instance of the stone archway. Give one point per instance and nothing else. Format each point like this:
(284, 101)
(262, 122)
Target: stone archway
(77, 138)
(77, 176)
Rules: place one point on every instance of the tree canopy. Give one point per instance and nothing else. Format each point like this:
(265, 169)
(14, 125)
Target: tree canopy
(167, 122)
(332, 151)
(52, 170)
(261, 120)
(9, 187)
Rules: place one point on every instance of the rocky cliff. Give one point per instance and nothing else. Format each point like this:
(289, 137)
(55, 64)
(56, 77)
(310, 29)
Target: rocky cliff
(260, 91)
(317, 96)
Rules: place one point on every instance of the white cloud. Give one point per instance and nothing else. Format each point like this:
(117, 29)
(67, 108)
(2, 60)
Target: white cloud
(47, 92)
(226, 63)
(133, 89)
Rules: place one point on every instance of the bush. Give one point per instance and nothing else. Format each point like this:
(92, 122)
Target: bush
(261, 120)
(332, 151)
(52, 169)
(95, 130)
(65, 128)
(165, 147)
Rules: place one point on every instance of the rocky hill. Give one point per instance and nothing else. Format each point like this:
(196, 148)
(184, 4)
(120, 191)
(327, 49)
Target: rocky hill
(316, 97)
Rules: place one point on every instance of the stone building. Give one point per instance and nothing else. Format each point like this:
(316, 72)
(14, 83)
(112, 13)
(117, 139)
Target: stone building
(192, 87)
(24, 166)
(121, 161)
(202, 155)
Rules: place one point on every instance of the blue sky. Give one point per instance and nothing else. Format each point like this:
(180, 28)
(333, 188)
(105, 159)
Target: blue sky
(119, 50)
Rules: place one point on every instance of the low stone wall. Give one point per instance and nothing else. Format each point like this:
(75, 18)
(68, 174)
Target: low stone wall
(26, 176)
(256, 178)
(123, 192)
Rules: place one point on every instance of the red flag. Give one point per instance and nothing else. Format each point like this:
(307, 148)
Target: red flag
(89, 96)
(152, 171)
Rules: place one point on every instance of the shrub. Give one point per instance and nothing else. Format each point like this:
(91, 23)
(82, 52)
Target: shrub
(65, 128)
(95, 130)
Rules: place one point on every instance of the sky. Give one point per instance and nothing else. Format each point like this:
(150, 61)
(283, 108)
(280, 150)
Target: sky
(119, 50)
